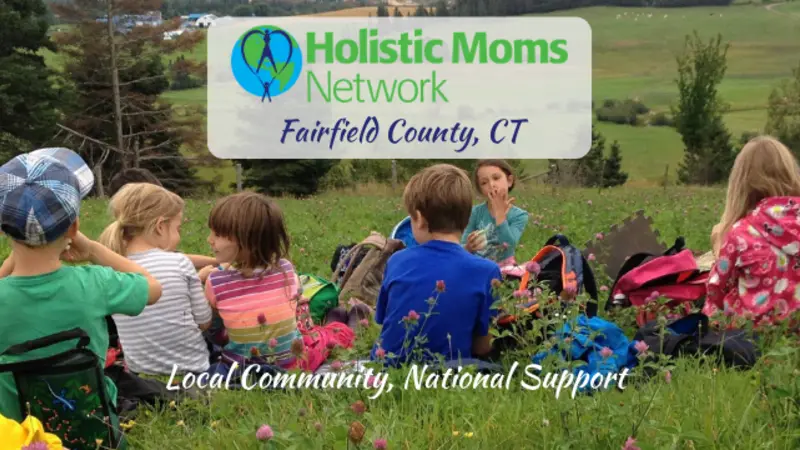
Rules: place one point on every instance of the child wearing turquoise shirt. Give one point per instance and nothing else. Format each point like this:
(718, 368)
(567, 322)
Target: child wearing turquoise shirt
(496, 225)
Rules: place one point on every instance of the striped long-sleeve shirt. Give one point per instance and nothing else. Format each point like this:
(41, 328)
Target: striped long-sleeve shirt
(259, 312)
(167, 332)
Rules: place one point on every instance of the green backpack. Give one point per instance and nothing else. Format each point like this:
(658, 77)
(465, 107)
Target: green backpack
(66, 392)
(322, 295)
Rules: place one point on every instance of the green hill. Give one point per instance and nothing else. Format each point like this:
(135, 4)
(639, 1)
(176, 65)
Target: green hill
(634, 52)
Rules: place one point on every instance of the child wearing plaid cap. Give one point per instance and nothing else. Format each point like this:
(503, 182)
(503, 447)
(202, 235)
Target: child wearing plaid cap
(40, 199)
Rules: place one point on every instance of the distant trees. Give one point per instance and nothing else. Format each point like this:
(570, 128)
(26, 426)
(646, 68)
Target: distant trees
(518, 7)
(708, 152)
(118, 120)
(30, 101)
(593, 170)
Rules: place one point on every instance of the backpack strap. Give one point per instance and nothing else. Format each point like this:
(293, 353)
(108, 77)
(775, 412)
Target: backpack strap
(545, 254)
(35, 344)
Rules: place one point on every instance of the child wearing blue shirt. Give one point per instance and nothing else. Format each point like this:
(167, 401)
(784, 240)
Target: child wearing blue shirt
(496, 225)
(436, 298)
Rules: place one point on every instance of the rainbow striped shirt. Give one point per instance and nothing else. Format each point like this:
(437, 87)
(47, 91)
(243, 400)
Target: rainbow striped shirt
(258, 309)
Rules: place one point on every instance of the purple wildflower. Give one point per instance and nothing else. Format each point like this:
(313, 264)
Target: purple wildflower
(264, 433)
(641, 346)
(533, 267)
(35, 446)
(630, 444)
(379, 444)
(605, 352)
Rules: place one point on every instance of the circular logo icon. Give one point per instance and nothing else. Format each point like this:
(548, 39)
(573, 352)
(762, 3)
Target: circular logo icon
(266, 61)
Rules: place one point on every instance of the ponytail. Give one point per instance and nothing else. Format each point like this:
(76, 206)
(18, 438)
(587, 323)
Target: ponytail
(113, 237)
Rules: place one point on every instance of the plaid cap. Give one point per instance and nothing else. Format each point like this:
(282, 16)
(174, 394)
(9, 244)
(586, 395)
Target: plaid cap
(40, 194)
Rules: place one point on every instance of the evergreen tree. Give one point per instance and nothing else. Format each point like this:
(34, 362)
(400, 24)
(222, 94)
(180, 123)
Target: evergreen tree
(297, 177)
(29, 100)
(420, 11)
(120, 76)
(612, 169)
(593, 170)
(397, 12)
(708, 153)
(383, 11)
(441, 9)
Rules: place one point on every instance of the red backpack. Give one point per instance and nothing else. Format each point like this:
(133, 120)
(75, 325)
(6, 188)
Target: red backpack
(673, 275)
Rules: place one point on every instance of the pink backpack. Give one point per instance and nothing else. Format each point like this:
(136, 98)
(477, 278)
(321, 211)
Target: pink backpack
(645, 277)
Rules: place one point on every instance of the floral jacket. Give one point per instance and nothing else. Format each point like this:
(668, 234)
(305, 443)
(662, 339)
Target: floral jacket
(757, 273)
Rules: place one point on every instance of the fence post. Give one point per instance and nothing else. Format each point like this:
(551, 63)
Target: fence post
(238, 177)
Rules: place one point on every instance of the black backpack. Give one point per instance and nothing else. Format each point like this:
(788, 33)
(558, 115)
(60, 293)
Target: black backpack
(66, 392)
(691, 335)
(561, 264)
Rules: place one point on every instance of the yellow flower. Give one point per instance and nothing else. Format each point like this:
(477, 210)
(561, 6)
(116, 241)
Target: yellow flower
(180, 423)
(17, 435)
(128, 425)
(172, 404)
(214, 424)
(455, 433)
(468, 434)
(99, 442)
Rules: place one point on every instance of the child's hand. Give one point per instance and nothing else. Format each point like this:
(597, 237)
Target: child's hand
(79, 250)
(475, 241)
(499, 205)
(205, 272)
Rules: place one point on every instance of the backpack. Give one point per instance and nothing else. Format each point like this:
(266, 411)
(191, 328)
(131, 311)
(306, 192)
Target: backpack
(359, 273)
(322, 294)
(690, 335)
(562, 268)
(66, 392)
(674, 275)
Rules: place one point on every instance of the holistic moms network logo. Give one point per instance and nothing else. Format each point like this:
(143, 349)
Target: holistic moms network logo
(266, 61)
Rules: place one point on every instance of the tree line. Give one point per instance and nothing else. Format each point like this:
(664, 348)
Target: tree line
(106, 103)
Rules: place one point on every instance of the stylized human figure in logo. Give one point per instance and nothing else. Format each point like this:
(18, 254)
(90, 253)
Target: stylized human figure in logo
(267, 54)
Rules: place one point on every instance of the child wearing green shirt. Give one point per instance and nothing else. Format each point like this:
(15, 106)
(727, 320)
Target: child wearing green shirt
(40, 199)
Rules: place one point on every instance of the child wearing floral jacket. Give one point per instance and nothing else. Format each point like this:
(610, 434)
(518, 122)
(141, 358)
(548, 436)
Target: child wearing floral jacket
(757, 243)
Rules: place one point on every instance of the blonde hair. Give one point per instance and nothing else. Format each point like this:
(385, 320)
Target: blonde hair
(443, 195)
(137, 209)
(764, 168)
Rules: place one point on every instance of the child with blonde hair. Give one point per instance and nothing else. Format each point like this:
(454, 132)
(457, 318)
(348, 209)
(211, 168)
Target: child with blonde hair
(757, 241)
(146, 230)
(259, 294)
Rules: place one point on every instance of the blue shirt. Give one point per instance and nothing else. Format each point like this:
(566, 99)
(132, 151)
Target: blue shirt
(461, 312)
(501, 239)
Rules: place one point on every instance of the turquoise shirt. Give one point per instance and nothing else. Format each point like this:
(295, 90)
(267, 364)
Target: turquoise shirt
(501, 239)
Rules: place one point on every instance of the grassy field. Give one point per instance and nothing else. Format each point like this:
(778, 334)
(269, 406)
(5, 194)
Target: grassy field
(703, 406)
(634, 53)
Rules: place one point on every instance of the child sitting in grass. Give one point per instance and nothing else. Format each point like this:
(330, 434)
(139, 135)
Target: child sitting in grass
(436, 298)
(495, 226)
(168, 335)
(258, 294)
(757, 242)
(40, 199)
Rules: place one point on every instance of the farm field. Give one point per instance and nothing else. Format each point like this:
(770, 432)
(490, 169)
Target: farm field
(699, 406)
(634, 53)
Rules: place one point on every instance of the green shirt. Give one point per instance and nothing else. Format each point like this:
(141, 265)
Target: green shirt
(502, 238)
(81, 296)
